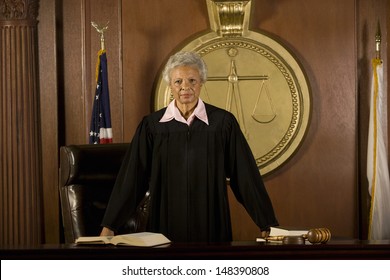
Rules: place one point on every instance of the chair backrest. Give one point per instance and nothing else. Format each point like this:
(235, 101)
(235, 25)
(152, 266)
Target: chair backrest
(87, 175)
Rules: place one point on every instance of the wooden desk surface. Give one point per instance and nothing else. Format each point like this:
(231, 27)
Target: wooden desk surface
(335, 249)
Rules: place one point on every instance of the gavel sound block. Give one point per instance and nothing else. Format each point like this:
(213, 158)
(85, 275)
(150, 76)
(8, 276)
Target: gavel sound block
(314, 236)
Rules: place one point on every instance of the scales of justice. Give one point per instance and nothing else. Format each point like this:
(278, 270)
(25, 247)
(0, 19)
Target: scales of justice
(254, 77)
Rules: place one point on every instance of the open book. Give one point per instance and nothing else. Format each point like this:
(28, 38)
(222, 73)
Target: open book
(139, 239)
(278, 231)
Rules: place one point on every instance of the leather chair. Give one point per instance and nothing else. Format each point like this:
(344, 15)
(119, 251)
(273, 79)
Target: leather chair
(87, 175)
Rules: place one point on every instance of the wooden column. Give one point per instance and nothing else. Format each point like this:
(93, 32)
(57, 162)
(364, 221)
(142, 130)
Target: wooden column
(20, 180)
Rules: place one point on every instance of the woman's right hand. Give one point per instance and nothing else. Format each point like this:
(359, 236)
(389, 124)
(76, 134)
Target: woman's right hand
(106, 232)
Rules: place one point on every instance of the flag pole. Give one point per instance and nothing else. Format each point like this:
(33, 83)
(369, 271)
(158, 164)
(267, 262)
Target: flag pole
(101, 30)
(378, 38)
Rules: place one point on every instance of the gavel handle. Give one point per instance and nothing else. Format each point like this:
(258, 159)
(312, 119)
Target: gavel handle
(275, 238)
(288, 239)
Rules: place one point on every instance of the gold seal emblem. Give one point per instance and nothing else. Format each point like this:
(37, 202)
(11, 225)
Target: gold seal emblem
(254, 77)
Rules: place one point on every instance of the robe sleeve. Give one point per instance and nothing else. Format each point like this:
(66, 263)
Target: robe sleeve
(132, 180)
(245, 179)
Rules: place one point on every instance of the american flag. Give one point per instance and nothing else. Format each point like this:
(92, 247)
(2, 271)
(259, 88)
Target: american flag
(101, 130)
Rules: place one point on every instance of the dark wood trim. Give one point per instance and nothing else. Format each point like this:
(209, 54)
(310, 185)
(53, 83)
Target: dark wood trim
(336, 250)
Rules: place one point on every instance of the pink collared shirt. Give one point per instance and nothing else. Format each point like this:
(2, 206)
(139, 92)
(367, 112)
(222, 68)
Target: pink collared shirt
(172, 112)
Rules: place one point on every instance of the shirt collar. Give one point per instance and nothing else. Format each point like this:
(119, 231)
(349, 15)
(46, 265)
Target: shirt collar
(172, 112)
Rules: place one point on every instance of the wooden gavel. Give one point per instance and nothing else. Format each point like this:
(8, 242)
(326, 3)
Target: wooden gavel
(314, 236)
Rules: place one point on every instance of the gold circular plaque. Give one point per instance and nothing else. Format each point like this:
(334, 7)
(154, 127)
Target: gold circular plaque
(260, 82)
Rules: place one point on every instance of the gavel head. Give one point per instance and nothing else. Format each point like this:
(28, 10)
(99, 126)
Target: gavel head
(318, 235)
(293, 240)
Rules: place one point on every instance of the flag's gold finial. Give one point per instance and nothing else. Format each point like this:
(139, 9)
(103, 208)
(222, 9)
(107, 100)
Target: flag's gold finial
(378, 42)
(101, 30)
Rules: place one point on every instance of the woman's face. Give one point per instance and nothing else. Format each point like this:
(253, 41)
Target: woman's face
(185, 85)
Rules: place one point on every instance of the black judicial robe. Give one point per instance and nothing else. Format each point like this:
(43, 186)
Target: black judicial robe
(185, 169)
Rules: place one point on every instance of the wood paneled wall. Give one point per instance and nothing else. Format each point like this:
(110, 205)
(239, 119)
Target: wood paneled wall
(51, 95)
(319, 186)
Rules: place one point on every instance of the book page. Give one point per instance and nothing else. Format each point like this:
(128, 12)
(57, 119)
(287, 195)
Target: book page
(94, 240)
(143, 239)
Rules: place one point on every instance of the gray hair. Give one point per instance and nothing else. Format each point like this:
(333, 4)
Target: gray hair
(184, 58)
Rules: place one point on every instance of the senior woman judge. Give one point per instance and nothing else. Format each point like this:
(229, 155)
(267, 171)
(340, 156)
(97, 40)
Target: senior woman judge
(183, 154)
